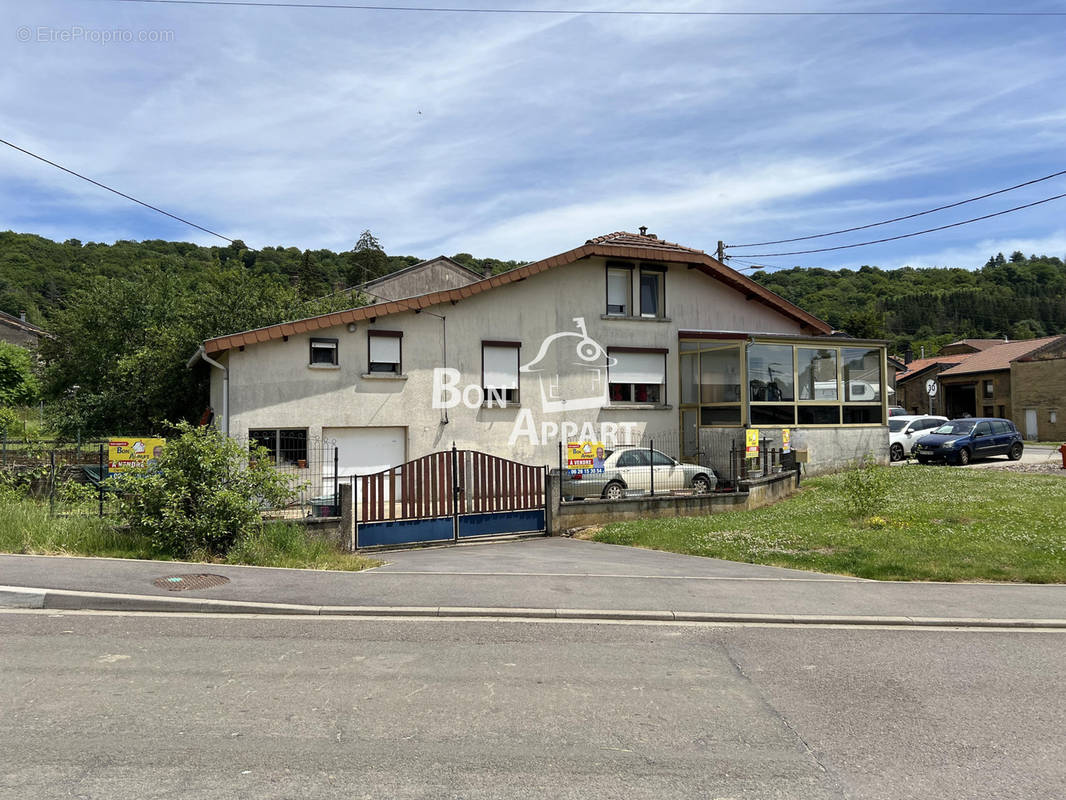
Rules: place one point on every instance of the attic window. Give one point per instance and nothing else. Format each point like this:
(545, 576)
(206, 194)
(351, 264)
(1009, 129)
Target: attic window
(324, 351)
(652, 292)
(619, 289)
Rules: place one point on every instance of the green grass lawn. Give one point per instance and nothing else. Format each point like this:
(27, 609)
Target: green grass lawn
(936, 524)
(27, 527)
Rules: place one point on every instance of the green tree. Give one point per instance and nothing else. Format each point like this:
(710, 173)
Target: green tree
(125, 343)
(18, 383)
(367, 260)
(205, 493)
(1027, 329)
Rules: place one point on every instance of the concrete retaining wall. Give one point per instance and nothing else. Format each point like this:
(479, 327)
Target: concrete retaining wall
(754, 493)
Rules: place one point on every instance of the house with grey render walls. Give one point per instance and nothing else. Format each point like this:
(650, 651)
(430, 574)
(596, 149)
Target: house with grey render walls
(622, 338)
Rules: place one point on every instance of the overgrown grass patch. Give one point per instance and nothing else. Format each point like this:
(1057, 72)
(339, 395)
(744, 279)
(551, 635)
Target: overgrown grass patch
(934, 524)
(286, 544)
(27, 527)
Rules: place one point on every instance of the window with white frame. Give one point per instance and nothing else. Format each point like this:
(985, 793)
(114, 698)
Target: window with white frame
(637, 375)
(324, 352)
(499, 372)
(385, 355)
(619, 289)
(652, 292)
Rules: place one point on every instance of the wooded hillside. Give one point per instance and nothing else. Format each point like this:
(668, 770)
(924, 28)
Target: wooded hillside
(127, 316)
(1016, 297)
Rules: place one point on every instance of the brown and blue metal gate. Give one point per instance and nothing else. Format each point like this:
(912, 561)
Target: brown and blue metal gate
(449, 496)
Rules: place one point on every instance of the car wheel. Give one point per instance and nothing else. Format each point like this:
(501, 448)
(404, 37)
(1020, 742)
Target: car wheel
(895, 452)
(964, 457)
(701, 484)
(1015, 451)
(613, 491)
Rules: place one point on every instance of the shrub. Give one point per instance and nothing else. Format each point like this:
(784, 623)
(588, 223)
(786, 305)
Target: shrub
(10, 424)
(205, 494)
(865, 488)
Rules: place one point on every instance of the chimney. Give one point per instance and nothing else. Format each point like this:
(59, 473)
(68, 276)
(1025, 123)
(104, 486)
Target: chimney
(643, 230)
(486, 272)
(22, 316)
(908, 357)
(923, 351)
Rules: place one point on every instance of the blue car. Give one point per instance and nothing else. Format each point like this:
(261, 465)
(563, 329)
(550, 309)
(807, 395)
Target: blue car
(962, 440)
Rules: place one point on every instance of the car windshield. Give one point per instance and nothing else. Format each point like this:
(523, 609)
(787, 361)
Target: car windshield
(896, 425)
(956, 426)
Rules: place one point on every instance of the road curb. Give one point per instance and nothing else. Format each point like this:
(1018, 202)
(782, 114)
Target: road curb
(18, 597)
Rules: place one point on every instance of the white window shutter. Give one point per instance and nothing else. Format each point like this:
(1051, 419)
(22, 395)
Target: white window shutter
(638, 368)
(500, 367)
(385, 349)
(618, 288)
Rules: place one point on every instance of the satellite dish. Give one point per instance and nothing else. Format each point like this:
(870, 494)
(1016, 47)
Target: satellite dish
(930, 387)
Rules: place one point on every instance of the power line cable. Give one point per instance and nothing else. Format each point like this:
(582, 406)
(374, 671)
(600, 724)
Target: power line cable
(905, 235)
(900, 219)
(115, 191)
(596, 12)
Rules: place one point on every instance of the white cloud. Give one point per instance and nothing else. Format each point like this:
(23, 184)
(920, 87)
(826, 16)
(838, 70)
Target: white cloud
(517, 137)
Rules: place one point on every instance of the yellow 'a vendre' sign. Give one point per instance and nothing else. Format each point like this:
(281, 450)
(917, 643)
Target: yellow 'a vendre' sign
(133, 454)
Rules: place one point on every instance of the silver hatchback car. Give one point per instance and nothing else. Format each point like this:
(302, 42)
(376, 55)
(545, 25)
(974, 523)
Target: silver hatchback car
(634, 470)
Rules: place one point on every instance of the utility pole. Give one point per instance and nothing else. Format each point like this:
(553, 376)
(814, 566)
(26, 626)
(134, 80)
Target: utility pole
(721, 251)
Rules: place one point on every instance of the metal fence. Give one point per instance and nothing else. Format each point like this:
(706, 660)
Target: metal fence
(662, 464)
(310, 466)
(68, 475)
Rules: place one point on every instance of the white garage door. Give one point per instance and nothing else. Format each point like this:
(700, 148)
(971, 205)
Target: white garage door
(364, 451)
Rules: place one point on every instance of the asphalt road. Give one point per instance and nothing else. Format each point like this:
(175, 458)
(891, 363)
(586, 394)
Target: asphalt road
(109, 706)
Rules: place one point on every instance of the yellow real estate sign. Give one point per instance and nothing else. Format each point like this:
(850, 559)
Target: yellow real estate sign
(133, 455)
(751, 441)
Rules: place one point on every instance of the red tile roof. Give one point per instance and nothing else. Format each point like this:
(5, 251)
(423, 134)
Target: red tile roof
(978, 344)
(997, 358)
(651, 242)
(620, 244)
(921, 364)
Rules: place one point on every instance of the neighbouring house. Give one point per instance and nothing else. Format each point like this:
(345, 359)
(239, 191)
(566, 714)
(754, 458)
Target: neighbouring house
(17, 330)
(1038, 388)
(427, 276)
(965, 347)
(625, 336)
(980, 385)
(911, 385)
(1023, 381)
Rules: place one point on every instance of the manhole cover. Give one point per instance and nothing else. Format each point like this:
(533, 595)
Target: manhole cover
(181, 583)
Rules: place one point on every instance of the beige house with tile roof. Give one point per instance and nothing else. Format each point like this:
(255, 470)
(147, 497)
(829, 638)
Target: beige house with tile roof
(685, 349)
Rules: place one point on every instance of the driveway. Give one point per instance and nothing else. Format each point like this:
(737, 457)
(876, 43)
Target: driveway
(1043, 460)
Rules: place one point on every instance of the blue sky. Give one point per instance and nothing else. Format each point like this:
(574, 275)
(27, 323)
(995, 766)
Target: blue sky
(520, 136)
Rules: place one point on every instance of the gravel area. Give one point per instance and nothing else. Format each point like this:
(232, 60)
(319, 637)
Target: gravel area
(1045, 468)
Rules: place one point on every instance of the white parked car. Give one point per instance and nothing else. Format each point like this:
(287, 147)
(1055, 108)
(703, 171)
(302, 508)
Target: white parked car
(635, 470)
(905, 430)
